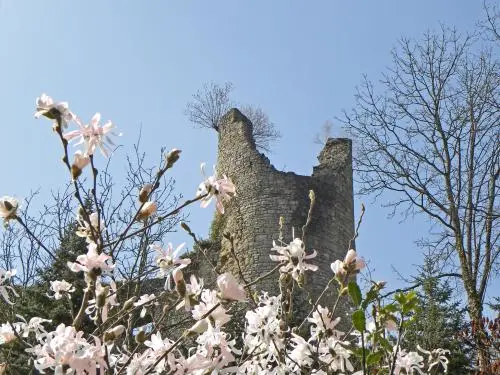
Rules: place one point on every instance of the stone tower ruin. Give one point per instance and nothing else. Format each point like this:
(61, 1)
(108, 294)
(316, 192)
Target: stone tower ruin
(264, 194)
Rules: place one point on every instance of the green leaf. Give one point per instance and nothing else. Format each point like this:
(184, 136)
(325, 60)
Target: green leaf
(359, 320)
(384, 343)
(373, 358)
(370, 296)
(354, 292)
(390, 308)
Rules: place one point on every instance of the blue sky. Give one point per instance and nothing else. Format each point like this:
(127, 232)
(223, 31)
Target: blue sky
(139, 62)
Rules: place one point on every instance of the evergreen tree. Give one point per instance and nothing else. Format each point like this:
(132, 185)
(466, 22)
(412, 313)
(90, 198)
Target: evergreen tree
(438, 319)
(34, 301)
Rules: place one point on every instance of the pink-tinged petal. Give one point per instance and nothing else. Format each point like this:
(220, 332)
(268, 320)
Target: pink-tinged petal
(184, 262)
(310, 267)
(350, 256)
(360, 264)
(95, 120)
(5, 295)
(220, 206)
(72, 134)
(40, 113)
(278, 258)
(106, 128)
(178, 250)
(338, 267)
(205, 202)
(312, 255)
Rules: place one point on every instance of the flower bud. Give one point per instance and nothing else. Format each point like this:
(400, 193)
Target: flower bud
(101, 297)
(185, 227)
(180, 284)
(80, 162)
(129, 303)
(144, 193)
(147, 210)
(8, 208)
(229, 288)
(199, 327)
(172, 157)
(112, 334)
(140, 337)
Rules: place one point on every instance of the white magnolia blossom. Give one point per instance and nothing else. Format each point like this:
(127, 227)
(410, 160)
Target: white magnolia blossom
(5, 276)
(8, 208)
(294, 254)
(89, 231)
(7, 333)
(93, 136)
(61, 288)
(210, 304)
(222, 189)
(105, 301)
(45, 106)
(271, 342)
(169, 260)
(92, 261)
(229, 288)
(67, 347)
(146, 300)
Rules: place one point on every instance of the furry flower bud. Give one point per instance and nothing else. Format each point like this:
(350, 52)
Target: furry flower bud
(172, 156)
(144, 193)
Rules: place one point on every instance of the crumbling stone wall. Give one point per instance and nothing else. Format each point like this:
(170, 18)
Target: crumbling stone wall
(264, 194)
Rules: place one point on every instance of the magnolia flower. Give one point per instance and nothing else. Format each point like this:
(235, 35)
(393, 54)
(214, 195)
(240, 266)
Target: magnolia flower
(145, 301)
(351, 264)
(322, 323)
(81, 161)
(45, 106)
(8, 208)
(409, 362)
(92, 135)
(158, 349)
(7, 333)
(214, 344)
(66, 351)
(334, 353)
(34, 325)
(301, 353)
(223, 189)
(92, 262)
(85, 230)
(338, 268)
(436, 357)
(208, 301)
(104, 301)
(148, 209)
(169, 260)
(61, 288)
(192, 293)
(4, 277)
(352, 259)
(229, 288)
(295, 256)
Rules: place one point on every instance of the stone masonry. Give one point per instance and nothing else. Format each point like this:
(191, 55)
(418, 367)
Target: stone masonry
(264, 194)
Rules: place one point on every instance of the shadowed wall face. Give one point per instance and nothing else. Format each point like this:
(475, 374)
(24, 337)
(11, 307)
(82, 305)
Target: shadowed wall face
(264, 194)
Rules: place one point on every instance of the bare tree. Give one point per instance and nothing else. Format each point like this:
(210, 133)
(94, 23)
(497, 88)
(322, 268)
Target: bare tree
(209, 104)
(212, 101)
(264, 131)
(491, 25)
(325, 133)
(432, 139)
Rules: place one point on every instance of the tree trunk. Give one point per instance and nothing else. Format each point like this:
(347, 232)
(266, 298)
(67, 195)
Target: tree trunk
(478, 331)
